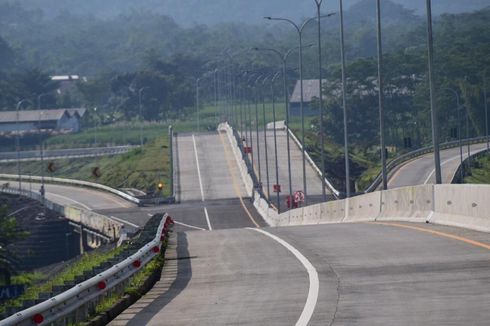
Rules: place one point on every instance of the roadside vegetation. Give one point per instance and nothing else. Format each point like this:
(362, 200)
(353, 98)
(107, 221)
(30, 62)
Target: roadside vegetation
(480, 170)
(37, 283)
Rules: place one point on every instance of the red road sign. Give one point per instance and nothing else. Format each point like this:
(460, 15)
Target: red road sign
(247, 149)
(276, 188)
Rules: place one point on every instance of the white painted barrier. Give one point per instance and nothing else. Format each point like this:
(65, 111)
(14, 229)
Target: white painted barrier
(411, 204)
(363, 208)
(465, 206)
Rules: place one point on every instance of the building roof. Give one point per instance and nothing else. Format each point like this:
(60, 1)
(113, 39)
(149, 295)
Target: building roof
(311, 90)
(39, 115)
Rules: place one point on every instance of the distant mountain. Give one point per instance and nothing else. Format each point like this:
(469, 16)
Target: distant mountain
(190, 12)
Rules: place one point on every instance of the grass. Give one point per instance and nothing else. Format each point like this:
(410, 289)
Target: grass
(38, 284)
(141, 168)
(480, 171)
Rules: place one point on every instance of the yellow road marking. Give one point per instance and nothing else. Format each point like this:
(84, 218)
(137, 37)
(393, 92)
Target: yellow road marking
(235, 183)
(438, 233)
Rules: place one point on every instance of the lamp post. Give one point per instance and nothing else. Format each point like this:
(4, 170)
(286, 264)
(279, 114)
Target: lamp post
(284, 57)
(381, 96)
(458, 107)
(320, 82)
(278, 203)
(485, 104)
(344, 101)
(140, 92)
(265, 140)
(41, 149)
(300, 29)
(95, 129)
(434, 122)
(17, 141)
(257, 127)
(198, 80)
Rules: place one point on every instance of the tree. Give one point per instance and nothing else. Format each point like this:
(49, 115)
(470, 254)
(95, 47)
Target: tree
(9, 233)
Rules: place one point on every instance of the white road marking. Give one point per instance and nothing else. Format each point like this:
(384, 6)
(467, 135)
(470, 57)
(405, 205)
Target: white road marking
(207, 219)
(189, 226)
(198, 169)
(125, 222)
(200, 183)
(69, 199)
(434, 170)
(312, 299)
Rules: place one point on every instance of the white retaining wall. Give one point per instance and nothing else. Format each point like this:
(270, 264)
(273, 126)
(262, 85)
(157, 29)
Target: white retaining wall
(465, 206)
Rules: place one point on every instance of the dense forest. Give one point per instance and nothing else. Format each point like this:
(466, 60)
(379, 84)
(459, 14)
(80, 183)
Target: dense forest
(124, 53)
(191, 12)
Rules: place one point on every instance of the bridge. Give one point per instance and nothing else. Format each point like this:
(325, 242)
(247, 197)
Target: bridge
(370, 259)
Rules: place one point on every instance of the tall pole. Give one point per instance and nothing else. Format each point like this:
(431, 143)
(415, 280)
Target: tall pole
(141, 114)
(467, 138)
(320, 82)
(344, 102)
(265, 143)
(278, 200)
(41, 150)
(216, 95)
(381, 96)
(257, 128)
(197, 105)
(284, 57)
(171, 159)
(17, 141)
(486, 108)
(458, 107)
(435, 131)
(300, 30)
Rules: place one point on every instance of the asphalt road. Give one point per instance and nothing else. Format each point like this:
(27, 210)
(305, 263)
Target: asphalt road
(421, 170)
(368, 274)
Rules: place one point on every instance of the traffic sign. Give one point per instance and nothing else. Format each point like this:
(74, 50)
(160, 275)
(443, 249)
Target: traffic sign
(276, 188)
(247, 149)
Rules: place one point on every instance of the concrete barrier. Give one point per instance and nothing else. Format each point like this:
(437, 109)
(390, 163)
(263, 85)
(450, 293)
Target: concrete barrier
(411, 204)
(466, 206)
(363, 208)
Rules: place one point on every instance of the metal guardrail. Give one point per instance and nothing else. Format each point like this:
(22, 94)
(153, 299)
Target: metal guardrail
(90, 290)
(66, 153)
(395, 163)
(78, 183)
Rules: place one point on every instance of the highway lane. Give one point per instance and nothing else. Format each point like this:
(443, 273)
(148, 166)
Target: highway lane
(369, 274)
(314, 184)
(421, 170)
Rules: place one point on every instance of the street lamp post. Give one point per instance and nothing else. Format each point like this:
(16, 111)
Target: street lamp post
(320, 83)
(344, 101)
(17, 140)
(300, 30)
(458, 107)
(41, 150)
(197, 105)
(278, 203)
(381, 96)
(284, 57)
(434, 122)
(257, 127)
(265, 141)
(95, 129)
(140, 91)
(486, 107)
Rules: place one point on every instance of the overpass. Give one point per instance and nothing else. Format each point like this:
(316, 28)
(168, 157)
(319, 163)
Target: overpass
(369, 271)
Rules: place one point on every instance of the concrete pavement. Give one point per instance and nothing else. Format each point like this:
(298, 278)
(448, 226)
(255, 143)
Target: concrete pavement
(369, 274)
(421, 170)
